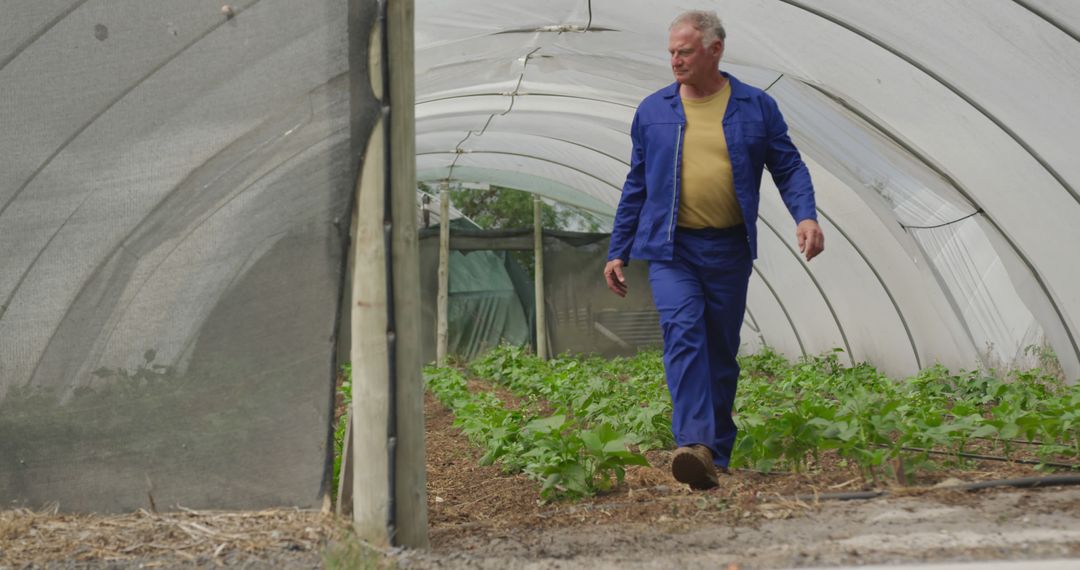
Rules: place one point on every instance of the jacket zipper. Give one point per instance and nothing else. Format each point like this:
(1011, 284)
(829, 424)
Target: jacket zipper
(675, 181)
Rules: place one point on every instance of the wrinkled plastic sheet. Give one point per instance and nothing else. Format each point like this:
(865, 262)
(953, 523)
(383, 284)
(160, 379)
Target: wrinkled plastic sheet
(492, 301)
(173, 214)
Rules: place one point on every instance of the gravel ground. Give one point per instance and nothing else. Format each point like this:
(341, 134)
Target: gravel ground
(987, 525)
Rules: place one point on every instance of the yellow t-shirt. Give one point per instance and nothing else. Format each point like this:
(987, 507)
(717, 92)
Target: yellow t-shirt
(707, 192)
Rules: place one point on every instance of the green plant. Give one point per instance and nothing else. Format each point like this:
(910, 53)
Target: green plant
(339, 430)
(567, 455)
(627, 394)
(787, 413)
(349, 553)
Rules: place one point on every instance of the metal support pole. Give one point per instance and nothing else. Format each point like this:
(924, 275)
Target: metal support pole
(538, 253)
(443, 299)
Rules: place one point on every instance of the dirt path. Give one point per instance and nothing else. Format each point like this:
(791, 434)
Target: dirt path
(482, 518)
(994, 525)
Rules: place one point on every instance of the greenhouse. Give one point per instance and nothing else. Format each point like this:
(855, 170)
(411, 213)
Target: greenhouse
(946, 199)
(206, 209)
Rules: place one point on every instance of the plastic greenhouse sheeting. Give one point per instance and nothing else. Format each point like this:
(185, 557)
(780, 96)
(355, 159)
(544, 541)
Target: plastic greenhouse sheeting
(491, 296)
(940, 135)
(173, 186)
(582, 315)
(490, 299)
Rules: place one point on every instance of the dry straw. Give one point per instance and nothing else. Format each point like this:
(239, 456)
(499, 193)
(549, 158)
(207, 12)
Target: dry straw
(40, 537)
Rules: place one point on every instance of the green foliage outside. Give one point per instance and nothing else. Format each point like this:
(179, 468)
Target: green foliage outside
(787, 413)
(499, 208)
(504, 208)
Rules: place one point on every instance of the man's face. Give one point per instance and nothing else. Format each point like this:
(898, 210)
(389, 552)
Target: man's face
(691, 61)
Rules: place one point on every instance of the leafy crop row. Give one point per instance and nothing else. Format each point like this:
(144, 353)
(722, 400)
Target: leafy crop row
(627, 394)
(570, 457)
(787, 413)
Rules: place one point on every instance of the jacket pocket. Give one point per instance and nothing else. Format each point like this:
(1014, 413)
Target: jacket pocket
(752, 130)
(753, 139)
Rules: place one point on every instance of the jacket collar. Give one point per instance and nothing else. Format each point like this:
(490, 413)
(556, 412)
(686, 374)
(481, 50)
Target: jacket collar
(738, 88)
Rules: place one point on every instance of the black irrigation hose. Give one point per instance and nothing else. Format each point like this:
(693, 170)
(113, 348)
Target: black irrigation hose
(1021, 483)
(991, 458)
(849, 496)
(1016, 441)
(1024, 482)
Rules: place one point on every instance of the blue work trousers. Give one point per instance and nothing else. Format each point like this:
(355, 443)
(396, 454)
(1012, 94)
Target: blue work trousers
(701, 297)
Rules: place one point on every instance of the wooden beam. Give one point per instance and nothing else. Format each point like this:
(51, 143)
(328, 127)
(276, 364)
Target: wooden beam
(369, 356)
(374, 388)
(443, 299)
(411, 469)
(538, 253)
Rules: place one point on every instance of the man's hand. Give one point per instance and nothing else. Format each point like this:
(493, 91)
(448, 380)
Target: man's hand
(811, 240)
(615, 280)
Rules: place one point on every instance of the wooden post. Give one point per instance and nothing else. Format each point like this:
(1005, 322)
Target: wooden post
(373, 387)
(443, 299)
(538, 253)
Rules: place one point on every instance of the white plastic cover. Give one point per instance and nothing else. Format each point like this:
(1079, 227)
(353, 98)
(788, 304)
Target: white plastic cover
(174, 194)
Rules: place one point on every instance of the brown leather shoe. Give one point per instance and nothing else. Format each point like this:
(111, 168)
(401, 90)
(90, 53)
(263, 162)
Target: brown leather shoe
(694, 466)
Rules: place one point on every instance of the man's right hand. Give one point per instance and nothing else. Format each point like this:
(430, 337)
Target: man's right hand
(614, 276)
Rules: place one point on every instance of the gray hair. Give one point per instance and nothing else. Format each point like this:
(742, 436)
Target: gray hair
(704, 21)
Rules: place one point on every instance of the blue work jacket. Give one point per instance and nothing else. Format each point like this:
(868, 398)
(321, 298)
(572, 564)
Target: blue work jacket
(756, 137)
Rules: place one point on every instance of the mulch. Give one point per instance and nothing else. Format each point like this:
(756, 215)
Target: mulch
(32, 538)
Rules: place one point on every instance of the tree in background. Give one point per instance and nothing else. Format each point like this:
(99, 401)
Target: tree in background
(497, 208)
(501, 208)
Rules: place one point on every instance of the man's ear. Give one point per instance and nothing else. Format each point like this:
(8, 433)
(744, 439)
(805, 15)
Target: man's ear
(718, 45)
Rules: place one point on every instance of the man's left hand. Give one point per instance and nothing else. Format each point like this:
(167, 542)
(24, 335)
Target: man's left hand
(811, 240)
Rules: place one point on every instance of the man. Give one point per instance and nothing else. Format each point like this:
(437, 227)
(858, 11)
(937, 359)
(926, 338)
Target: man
(689, 207)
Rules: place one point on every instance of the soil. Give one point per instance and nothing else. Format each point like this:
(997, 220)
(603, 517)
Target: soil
(483, 518)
